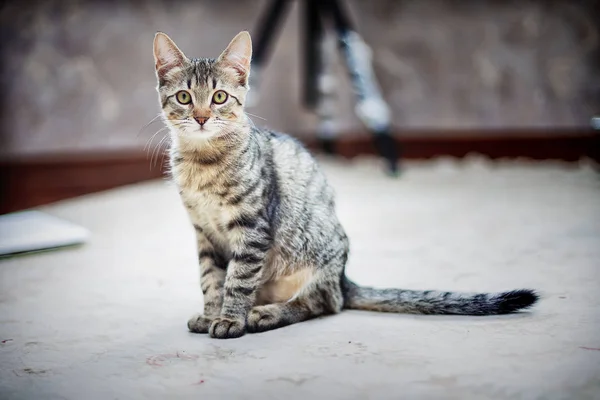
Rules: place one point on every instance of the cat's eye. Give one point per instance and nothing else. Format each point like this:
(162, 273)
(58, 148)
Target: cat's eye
(183, 97)
(220, 97)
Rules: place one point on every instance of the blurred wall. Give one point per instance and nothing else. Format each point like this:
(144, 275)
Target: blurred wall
(78, 75)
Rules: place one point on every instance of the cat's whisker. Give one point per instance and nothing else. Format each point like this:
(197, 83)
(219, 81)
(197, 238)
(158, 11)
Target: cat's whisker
(164, 148)
(238, 123)
(156, 151)
(149, 142)
(151, 154)
(176, 123)
(255, 116)
(252, 122)
(164, 153)
(149, 123)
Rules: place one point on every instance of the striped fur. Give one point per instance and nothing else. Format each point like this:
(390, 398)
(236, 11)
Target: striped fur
(271, 249)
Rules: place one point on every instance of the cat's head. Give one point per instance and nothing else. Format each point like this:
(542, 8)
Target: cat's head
(203, 99)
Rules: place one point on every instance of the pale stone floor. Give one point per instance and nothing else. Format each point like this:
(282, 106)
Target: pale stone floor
(107, 320)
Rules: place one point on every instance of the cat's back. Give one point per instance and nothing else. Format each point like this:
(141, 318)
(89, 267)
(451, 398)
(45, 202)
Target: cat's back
(298, 171)
(307, 212)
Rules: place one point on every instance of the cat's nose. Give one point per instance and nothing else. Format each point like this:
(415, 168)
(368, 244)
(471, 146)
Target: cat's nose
(201, 120)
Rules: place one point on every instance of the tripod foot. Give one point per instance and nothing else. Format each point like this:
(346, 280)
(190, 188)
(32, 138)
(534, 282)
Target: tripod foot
(387, 147)
(328, 146)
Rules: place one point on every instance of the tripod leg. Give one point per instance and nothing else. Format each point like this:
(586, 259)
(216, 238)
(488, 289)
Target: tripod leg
(326, 103)
(370, 106)
(317, 75)
(266, 29)
(313, 30)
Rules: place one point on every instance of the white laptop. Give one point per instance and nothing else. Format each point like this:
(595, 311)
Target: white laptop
(32, 231)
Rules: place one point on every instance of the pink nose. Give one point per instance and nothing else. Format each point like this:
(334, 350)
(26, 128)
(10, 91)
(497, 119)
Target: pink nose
(201, 120)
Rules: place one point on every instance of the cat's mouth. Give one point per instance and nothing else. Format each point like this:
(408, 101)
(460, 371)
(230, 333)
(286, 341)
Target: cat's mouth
(204, 130)
(199, 133)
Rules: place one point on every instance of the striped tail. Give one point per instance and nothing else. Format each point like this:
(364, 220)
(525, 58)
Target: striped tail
(436, 302)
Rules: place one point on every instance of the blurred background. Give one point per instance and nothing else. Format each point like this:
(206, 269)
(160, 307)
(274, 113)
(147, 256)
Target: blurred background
(514, 82)
(78, 82)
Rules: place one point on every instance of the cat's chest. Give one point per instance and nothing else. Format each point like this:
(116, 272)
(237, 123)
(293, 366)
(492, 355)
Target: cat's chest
(207, 210)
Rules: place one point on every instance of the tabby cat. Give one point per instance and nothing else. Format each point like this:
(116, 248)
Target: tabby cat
(271, 249)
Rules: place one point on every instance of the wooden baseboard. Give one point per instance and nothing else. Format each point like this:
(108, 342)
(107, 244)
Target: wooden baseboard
(36, 180)
(31, 181)
(567, 145)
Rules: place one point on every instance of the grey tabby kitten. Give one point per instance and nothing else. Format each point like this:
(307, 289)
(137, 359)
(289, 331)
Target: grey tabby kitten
(271, 249)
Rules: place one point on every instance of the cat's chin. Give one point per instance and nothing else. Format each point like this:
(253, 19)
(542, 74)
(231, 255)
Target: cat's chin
(201, 136)
(196, 133)
(197, 138)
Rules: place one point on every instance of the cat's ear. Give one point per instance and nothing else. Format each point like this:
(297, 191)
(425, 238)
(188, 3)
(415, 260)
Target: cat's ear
(166, 54)
(236, 57)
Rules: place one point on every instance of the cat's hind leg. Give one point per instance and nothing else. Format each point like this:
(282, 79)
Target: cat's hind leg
(320, 295)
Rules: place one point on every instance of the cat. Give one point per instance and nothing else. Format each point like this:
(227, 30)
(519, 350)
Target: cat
(271, 249)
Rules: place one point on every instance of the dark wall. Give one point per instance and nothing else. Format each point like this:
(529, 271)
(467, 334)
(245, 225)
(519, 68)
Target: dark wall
(78, 75)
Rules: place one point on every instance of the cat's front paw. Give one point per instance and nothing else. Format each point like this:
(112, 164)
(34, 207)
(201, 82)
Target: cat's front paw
(227, 328)
(199, 323)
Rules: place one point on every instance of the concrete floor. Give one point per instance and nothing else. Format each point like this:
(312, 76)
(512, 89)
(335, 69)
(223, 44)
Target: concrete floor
(108, 320)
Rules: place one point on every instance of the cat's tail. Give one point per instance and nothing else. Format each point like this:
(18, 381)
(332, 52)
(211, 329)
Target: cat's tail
(435, 302)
